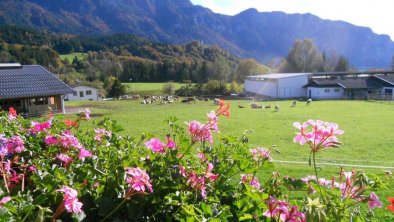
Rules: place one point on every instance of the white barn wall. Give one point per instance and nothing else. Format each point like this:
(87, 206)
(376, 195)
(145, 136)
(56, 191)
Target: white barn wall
(84, 89)
(320, 93)
(267, 87)
(291, 87)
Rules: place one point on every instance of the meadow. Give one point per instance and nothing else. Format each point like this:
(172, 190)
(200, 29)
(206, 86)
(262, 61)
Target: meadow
(148, 88)
(367, 142)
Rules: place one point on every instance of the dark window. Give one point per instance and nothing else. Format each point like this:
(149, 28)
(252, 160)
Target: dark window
(336, 90)
(88, 92)
(75, 94)
(80, 93)
(327, 90)
(388, 91)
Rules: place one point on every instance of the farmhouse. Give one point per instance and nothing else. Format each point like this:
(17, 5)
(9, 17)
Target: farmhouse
(83, 93)
(31, 89)
(339, 85)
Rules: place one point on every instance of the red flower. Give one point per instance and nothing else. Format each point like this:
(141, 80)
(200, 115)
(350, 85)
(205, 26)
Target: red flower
(391, 207)
(12, 113)
(223, 109)
(70, 124)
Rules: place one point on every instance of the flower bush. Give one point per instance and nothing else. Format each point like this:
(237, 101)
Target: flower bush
(54, 169)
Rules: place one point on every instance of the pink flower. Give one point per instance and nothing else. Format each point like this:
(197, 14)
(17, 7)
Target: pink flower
(284, 211)
(51, 140)
(85, 114)
(12, 113)
(4, 200)
(67, 140)
(155, 145)
(200, 132)
(260, 154)
(71, 202)
(38, 127)
(317, 134)
(32, 168)
(15, 144)
(84, 153)
(138, 180)
(100, 133)
(251, 180)
(170, 143)
(202, 156)
(213, 120)
(65, 159)
(374, 201)
(209, 174)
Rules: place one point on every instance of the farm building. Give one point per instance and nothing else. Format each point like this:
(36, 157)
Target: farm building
(31, 89)
(279, 86)
(340, 85)
(83, 93)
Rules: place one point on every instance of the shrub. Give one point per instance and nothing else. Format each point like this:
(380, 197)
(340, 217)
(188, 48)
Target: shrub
(56, 170)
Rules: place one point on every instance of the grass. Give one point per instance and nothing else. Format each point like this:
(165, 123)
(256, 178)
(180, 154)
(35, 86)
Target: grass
(368, 126)
(148, 88)
(71, 56)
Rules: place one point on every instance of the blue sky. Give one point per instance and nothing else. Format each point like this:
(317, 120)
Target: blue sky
(376, 14)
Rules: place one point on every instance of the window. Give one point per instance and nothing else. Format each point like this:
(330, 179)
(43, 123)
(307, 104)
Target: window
(88, 92)
(75, 94)
(336, 90)
(80, 93)
(388, 91)
(327, 90)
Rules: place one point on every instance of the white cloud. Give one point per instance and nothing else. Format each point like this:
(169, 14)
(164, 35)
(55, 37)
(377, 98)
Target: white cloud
(376, 14)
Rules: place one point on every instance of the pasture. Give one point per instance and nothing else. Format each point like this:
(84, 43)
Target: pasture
(368, 139)
(147, 88)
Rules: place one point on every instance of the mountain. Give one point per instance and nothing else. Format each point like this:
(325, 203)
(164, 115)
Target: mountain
(263, 35)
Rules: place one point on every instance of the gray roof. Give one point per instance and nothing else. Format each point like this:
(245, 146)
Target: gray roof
(278, 76)
(349, 83)
(30, 81)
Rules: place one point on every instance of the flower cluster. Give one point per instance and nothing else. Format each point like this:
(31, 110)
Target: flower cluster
(317, 134)
(282, 210)
(85, 114)
(202, 132)
(12, 113)
(138, 180)
(199, 182)
(70, 200)
(260, 154)
(158, 147)
(102, 132)
(251, 180)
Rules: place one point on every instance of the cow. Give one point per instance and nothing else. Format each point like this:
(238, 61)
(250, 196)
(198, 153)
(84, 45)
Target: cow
(308, 102)
(294, 104)
(277, 108)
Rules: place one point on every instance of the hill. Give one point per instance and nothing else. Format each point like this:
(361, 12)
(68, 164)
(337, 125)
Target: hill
(263, 35)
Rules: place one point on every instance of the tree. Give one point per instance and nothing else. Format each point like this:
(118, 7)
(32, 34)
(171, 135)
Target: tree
(117, 89)
(304, 57)
(342, 64)
(169, 88)
(249, 67)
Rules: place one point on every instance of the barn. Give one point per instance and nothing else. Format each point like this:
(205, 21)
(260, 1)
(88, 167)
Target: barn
(83, 93)
(278, 86)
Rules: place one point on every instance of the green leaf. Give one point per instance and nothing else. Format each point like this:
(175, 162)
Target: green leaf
(206, 209)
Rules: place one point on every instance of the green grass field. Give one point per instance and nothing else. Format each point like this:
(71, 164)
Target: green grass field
(368, 125)
(71, 56)
(147, 88)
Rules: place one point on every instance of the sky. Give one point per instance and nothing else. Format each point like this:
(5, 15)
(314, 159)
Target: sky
(375, 14)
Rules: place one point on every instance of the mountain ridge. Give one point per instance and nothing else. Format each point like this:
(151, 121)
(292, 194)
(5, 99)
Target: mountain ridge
(262, 35)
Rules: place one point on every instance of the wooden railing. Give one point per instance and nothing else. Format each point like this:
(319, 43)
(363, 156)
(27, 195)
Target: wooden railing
(37, 110)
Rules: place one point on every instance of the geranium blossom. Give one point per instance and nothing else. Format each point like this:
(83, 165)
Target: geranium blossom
(373, 201)
(51, 140)
(15, 144)
(138, 180)
(285, 212)
(213, 120)
(38, 127)
(199, 182)
(65, 159)
(12, 113)
(70, 199)
(170, 143)
(70, 123)
(4, 200)
(251, 180)
(223, 109)
(200, 132)
(84, 153)
(391, 206)
(317, 134)
(85, 114)
(102, 132)
(260, 154)
(155, 145)
(67, 140)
